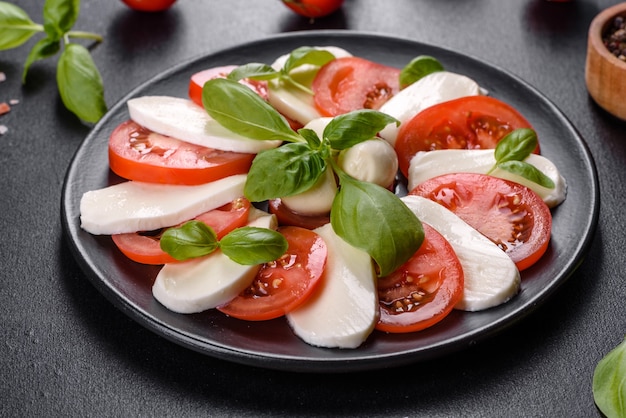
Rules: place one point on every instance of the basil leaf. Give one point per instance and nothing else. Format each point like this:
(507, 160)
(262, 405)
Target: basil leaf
(373, 219)
(253, 245)
(609, 382)
(284, 171)
(80, 84)
(240, 110)
(253, 70)
(16, 27)
(528, 171)
(310, 137)
(59, 16)
(516, 145)
(349, 129)
(307, 55)
(190, 240)
(419, 67)
(44, 48)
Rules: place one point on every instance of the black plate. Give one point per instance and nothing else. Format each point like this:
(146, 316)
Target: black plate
(272, 344)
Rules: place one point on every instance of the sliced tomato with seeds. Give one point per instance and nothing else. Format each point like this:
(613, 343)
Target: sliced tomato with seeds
(197, 80)
(474, 122)
(136, 153)
(282, 285)
(352, 83)
(424, 290)
(511, 215)
(145, 247)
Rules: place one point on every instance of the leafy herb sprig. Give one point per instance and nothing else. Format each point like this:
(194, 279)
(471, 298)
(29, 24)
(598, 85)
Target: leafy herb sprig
(78, 80)
(609, 382)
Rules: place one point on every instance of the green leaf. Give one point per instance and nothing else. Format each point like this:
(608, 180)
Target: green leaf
(352, 128)
(373, 219)
(310, 137)
(419, 67)
(240, 110)
(190, 240)
(516, 146)
(253, 70)
(59, 16)
(307, 55)
(80, 84)
(284, 171)
(528, 171)
(253, 245)
(16, 27)
(45, 48)
(609, 382)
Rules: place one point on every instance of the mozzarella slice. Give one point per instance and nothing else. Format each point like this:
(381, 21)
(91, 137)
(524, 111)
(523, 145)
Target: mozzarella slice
(344, 309)
(429, 164)
(135, 206)
(207, 282)
(318, 199)
(491, 277)
(374, 161)
(184, 120)
(429, 90)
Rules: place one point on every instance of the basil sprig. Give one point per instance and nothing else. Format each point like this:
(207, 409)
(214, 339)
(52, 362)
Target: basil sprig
(511, 152)
(609, 382)
(419, 67)
(365, 215)
(78, 80)
(247, 245)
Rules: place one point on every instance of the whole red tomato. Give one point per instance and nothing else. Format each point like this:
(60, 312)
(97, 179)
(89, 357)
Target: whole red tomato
(149, 5)
(313, 8)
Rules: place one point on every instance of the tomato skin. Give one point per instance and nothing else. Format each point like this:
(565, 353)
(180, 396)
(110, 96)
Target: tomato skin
(511, 215)
(149, 5)
(197, 80)
(135, 153)
(145, 247)
(474, 122)
(283, 285)
(353, 83)
(287, 217)
(313, 8)
(425, 288)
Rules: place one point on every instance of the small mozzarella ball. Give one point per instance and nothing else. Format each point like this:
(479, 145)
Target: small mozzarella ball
(317, 200)
(374, 161)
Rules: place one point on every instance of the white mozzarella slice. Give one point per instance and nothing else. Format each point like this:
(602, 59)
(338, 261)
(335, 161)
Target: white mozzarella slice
(429, 164)
(184, 120)
(344, 309)
(491, 277)
(317, 200)
(136, 206)
(429, 90)
(374, 161)
(207, 282)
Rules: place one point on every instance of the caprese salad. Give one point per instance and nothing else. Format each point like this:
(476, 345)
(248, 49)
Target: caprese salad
(272, 190)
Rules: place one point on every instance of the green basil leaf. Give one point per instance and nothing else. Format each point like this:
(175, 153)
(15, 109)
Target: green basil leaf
(190, 240)
(373, 219)
(44, 48)
(290, 169)
(253, 245)
(516, 145)
(240, 110)
(528, 171)
(349, 129)
(307, 55)
(609, 382)
(419, 67)
(253, 70)
(311, 137)
(80, 83)
(16, 27)
(59, 16)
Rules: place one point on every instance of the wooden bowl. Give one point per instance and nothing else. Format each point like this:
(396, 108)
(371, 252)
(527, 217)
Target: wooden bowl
(605, 74)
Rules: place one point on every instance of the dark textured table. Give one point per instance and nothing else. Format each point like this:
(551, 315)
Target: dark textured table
(67, 351)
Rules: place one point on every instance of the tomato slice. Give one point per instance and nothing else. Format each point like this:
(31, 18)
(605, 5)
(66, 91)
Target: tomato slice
(282, 285)
(137, 153)
(145, 247)
(474, 122)
(423, 290)
(511, 215)
(313, 8)
(287, 217)
(198, 79)
(353, 83)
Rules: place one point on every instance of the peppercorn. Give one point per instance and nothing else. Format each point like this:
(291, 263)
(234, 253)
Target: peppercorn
(614, 38)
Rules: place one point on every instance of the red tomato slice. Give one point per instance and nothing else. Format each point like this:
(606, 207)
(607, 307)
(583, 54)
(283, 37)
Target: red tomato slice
(145, 247)
(198, 79)
(287, 217)
(353, 83)
(149, 5)
(511, 215)
(475, 122)
(313, 8)
(423, 290)
(137, 153)
(282, 285)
